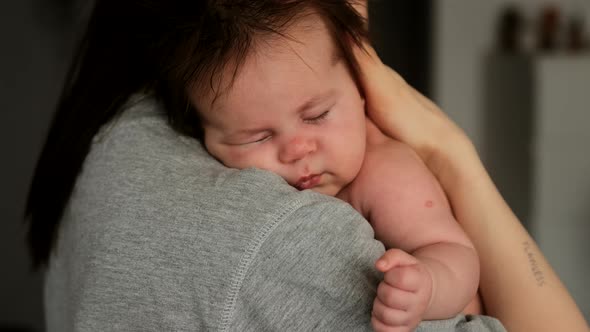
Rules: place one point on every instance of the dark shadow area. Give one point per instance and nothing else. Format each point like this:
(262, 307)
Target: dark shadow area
(37, 40)
(401, 32)
(14, 328)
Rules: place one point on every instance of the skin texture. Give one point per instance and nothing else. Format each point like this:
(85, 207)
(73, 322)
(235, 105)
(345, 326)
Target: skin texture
(294, 109)
(433, 271)
(509, 283)
(313, 100)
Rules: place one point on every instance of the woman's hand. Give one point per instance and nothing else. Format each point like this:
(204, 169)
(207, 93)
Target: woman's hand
(404, 114)
(508, 293)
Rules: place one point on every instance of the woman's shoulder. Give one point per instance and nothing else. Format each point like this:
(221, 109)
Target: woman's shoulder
(151, 210)
(311, 268)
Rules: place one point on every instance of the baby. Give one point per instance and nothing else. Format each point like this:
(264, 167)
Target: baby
(294, 108)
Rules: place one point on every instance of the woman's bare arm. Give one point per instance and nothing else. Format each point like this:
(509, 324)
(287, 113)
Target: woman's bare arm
(518, 285)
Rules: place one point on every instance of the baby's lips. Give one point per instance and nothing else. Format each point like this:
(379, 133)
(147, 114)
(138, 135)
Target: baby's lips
(307, 182)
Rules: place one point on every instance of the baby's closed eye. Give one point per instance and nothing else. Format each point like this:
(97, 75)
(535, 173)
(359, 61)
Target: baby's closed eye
(318, 119)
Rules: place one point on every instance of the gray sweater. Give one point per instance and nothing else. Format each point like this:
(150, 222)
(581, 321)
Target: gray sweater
(159, 236)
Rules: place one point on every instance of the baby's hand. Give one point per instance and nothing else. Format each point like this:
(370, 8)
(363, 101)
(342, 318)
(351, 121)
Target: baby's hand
(404, 294)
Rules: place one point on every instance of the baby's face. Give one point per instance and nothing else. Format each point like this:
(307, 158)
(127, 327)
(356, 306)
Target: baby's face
(294, 109)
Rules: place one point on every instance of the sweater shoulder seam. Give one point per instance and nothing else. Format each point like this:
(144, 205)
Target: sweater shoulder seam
(246, 260)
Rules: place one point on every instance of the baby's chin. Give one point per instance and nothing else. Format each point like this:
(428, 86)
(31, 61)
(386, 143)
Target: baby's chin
(329, 190)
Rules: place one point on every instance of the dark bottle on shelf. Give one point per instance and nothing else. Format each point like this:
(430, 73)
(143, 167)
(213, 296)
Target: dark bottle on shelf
(549, 26)
(575, 33)
(510, 29)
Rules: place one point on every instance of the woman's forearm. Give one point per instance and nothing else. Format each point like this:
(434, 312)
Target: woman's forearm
(518, 285)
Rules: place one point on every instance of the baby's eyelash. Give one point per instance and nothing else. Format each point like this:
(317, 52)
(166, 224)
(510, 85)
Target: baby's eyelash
(264, 139)
(258, 141)
(318, 118)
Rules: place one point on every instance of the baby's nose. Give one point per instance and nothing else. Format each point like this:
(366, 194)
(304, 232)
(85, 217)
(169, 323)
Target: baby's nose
(296, 149)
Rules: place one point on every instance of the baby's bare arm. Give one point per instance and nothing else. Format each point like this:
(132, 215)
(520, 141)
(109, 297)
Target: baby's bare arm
(408, 210)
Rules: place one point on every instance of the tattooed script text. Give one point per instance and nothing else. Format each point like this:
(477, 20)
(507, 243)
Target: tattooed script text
(539, 277)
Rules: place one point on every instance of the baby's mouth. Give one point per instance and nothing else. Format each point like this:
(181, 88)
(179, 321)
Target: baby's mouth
(308, 182)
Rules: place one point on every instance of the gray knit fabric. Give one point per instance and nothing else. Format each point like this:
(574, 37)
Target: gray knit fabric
(158, 236)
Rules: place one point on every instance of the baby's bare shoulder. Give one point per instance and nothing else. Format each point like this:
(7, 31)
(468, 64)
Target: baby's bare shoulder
(389, 169)
(391, 157)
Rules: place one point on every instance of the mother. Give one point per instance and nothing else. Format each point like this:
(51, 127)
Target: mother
(139, 229)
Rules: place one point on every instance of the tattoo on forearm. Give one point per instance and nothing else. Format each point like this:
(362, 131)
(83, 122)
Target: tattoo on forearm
(537, 273)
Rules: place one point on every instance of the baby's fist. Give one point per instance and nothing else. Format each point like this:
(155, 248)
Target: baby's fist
(403, 295)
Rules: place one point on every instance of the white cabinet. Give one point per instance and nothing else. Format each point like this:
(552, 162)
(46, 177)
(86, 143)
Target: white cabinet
(537, 148)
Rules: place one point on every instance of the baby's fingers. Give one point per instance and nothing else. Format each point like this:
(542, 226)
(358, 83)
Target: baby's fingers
(395, 298)
(393, 258)
(389, 319)
(379, 326)
(408, 278)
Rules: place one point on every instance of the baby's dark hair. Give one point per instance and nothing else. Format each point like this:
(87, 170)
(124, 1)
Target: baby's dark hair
(226, 34)
(159, 47)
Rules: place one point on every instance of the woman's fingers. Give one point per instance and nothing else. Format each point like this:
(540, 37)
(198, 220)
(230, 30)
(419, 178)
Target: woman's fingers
(367, 57)
(381, 86)
(377, 79)
(361, 6)
(400, 111)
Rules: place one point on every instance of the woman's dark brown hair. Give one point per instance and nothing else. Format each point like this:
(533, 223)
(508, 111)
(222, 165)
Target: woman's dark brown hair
(161, 48)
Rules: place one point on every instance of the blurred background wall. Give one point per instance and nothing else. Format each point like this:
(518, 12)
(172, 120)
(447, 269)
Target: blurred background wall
(464, 33)
(445, 48)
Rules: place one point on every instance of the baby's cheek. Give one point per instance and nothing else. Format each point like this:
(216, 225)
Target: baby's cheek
(237, 158)
(229, 156)
(244, 158)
